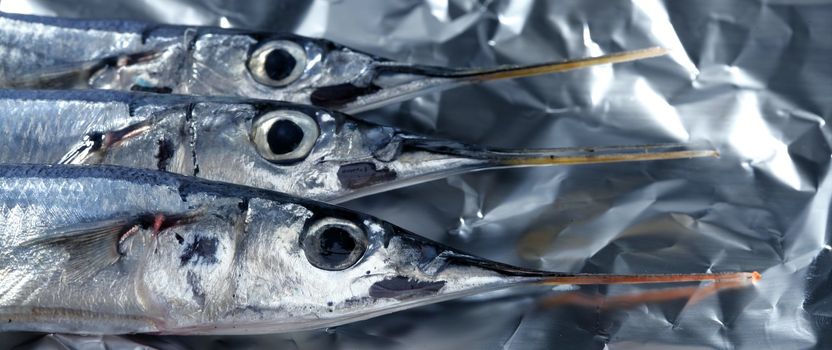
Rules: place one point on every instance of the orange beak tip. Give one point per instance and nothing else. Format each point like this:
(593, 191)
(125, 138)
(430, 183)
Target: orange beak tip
(756, 277)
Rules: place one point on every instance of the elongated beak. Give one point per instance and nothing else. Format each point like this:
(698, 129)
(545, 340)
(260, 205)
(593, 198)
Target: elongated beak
(394, 82)
(441, 273)
(714, 283)
(420, 160)
(502, 158)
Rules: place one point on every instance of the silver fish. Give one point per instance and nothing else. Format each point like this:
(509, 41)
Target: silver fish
(43, 52)
(296, 149)
(109, 250)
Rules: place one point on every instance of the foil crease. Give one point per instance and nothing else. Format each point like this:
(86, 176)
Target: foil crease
(750, 77)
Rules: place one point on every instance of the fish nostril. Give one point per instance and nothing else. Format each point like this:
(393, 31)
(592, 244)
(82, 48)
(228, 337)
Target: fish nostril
(284, 136)
(279, 64)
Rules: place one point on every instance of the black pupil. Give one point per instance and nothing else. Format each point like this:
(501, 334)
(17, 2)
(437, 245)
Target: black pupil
(279, 64)
(336, 245)
(284, 136)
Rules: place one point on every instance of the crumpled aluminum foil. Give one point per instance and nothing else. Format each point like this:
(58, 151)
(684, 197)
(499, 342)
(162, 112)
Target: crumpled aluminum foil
(751, 77)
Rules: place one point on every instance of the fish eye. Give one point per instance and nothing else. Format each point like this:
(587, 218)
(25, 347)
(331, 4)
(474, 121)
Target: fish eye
(284, 136)
(277, 63)
(334, 244)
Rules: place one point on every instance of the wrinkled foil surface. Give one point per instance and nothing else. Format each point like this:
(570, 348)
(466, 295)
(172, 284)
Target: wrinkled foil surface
(753, 78)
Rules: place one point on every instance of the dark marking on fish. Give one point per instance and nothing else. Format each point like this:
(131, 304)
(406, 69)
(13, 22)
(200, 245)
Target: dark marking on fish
(196, 288)
(179, 238)
(152, 89)
(341, 94)
(358, 175)
(182, 189)
(164, 154)
(147, 32)
(243, 205)
(404, 288)
(201, 250)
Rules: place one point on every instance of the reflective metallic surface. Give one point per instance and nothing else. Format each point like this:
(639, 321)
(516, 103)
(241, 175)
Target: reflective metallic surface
(750, 76)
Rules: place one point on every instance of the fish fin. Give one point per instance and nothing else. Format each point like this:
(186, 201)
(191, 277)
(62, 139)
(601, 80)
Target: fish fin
(76, 75)
(91, 246)
(95, 144)
(83, 151)
(69, 76)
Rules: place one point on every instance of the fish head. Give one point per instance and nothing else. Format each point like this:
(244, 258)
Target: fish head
(294, 67)
(307, 266)
(330, 156)
(282, 67)
(311, 152)
(326, 74)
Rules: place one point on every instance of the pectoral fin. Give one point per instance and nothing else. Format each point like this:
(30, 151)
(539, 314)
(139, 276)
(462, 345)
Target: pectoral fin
(91, 246)
(74, 75)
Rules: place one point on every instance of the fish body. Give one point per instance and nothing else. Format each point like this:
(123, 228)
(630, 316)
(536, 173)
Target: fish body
(300, 150)
(46, 52)
(209, 138)
(112, 250)
(220, 257)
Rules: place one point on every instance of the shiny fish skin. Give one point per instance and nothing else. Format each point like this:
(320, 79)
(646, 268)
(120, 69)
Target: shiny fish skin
(112, 250)
(244, 267)
(213, 138)
(123, 55)
(209, 138)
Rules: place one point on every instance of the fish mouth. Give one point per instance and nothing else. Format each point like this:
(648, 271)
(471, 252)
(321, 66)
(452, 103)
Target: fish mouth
(395, 82)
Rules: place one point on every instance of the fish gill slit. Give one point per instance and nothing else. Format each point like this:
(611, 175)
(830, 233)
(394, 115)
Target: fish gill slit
(131, 109)
(242, 230)
(189, 120)
(189, 38)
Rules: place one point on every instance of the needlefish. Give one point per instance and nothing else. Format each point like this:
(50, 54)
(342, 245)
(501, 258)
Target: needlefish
(58, 53)
(301, 150)
(111, 250)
